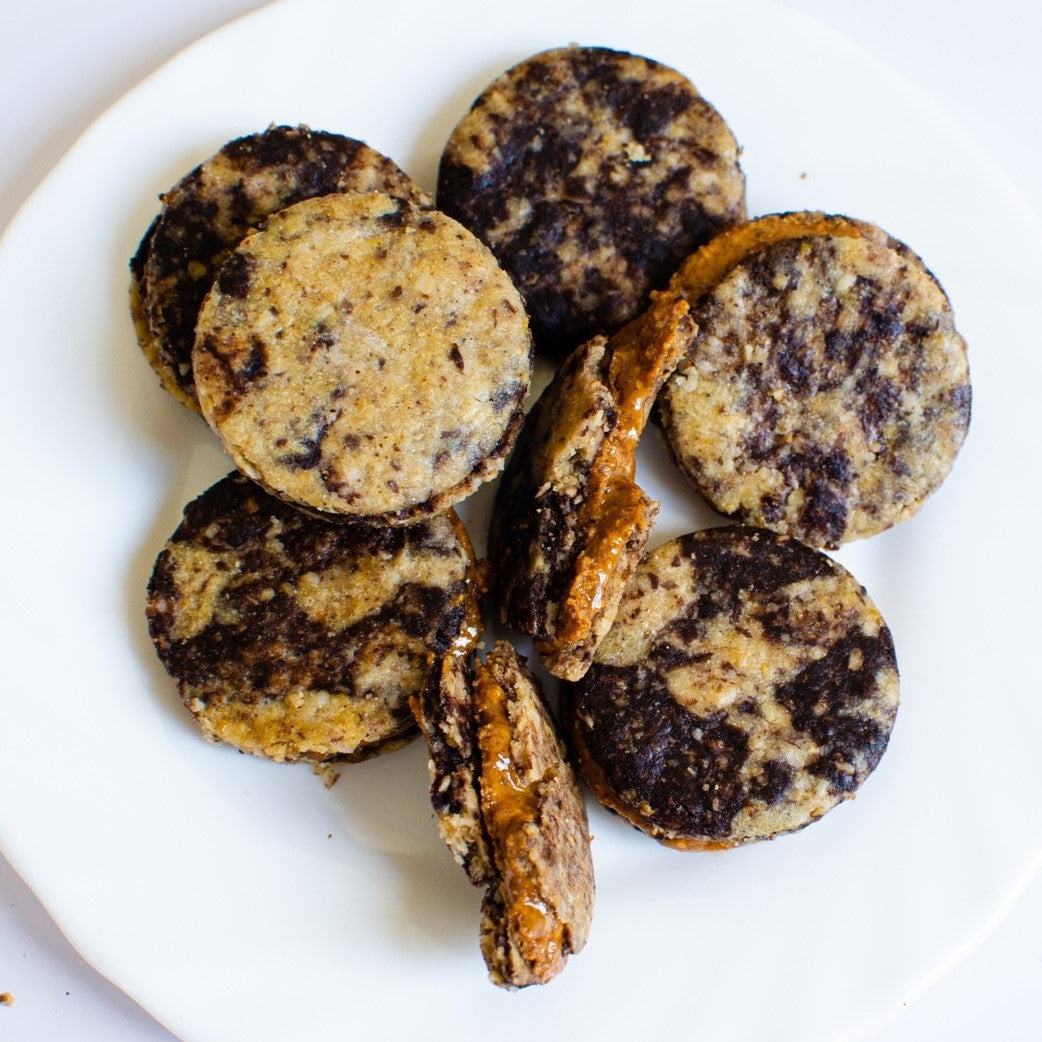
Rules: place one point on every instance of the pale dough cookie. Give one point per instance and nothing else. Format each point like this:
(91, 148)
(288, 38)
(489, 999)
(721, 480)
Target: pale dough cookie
(747, 686)
(511, 810)
(296, 639)
(569, 522)
(591, 173)
(827, 392)
(207, 213)
(365, 358)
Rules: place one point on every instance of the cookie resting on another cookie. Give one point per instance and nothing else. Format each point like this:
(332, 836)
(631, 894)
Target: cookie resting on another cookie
(296, 639)
(364, 358)
(209, 211)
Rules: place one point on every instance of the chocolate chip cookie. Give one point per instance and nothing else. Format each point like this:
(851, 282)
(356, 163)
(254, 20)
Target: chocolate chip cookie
(747, 686)
(364, 357)
(296, 639)
(591, 173)
(208, 212)
(827, 392)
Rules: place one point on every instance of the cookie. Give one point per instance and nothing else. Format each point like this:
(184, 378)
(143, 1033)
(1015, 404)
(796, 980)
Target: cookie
(511, 810)
(296, 639)
(365, 358)
(827, 392)
(139, 310)
(591, 173)
(444, 710)
(569, 522)
(747, 686)
(208, 212)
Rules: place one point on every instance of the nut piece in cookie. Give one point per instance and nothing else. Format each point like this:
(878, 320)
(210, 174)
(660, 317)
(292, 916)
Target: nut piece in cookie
(296, 639)
(827, 392)
(747, 687)
(569, 523)
(209, 211)
(511, 810)
(591, 173)
(365, 358)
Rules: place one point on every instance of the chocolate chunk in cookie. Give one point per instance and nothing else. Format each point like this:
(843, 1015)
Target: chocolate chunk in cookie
(296, 639)
(208, 212)
(591, 173)
(511, 810)
(747, 686)
(569, 522)
(827, 392)
(364, 357)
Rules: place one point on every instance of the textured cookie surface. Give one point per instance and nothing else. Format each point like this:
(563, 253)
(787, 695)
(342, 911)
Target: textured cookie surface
(296, 639)
(569, 523)
(511, 811)
(538, 908)
(444, 711)
(747, 686)
(827, 392)
(591, 173)
(208, 212)
(364, 357)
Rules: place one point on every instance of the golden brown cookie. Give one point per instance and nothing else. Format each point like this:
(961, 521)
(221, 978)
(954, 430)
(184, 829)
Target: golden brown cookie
(208, 212)
(511, 810)
(827, 392)
(569, 522)
(296, 639)
(365, 358)
(591, 173)
(747, 686)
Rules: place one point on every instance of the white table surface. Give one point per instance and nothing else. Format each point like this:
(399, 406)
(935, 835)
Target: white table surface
(63, 62)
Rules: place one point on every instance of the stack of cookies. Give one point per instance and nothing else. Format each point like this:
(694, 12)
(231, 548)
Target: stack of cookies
(364, 355)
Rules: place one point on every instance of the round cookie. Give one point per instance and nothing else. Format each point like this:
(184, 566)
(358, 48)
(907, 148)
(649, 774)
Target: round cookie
(296, 639)
(826, 394)
(591, 173)
(208, 212)
(365, 358)
(747, 686)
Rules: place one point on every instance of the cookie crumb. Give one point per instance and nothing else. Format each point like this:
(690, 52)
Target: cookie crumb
(328, 773)
(6, 998)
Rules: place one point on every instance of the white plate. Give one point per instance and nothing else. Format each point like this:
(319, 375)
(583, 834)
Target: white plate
(240, 900)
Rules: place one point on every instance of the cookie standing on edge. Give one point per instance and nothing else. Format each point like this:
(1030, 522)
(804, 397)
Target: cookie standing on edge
(747, 686)
(510, 809)
(591, 173)
(569, 523)
(296, 639)
(209, 211)
(365, 358)
(827, 392)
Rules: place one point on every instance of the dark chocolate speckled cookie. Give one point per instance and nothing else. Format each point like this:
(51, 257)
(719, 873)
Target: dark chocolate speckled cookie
(747, 686)
(296, 639)
(827, 392)
(364, 357)
(591, 173)
(206, 214)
